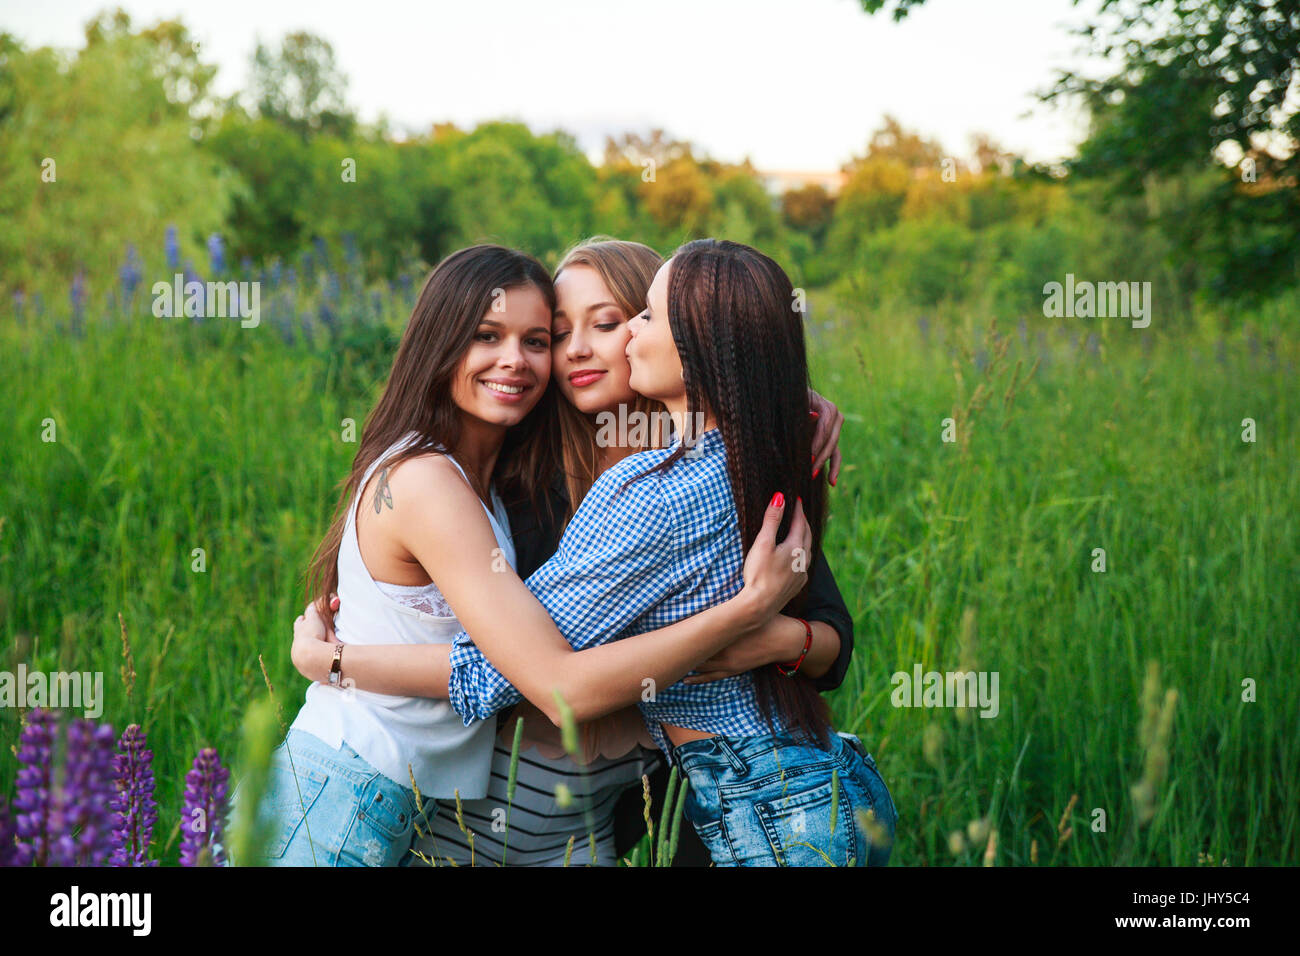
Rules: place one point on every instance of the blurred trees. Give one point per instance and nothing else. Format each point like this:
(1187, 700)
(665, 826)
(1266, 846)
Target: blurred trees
(138, 143)
(98, 150)
(301, 87)
(1203, 85)
(1194, 138)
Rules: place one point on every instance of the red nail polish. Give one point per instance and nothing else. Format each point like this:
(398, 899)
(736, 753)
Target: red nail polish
(814, 415)
(778, 500)
(815, 472)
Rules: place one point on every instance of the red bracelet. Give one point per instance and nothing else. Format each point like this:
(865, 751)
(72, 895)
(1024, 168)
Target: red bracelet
(789, 670)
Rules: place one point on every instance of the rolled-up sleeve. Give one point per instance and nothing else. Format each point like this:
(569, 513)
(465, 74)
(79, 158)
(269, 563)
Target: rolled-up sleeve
(615, 562)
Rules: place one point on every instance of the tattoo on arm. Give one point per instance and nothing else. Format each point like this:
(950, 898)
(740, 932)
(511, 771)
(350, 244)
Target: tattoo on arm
(383, 493)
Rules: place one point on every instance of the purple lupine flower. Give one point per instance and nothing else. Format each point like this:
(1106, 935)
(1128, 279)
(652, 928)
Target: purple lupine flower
(77, 293)
(191, 276)
(130, 273)
(275, 273)
(81, 825)
(19, 301)
(284, 322)
(327, 317)
(8, 838)
(137, 812)
(306, 326)
(205, 809)
(350, 252)
(217, 253)
(172, 248)
(322, 252)
(34, 786)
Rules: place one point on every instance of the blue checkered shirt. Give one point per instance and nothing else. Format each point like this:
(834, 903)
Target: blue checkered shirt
(664, 549)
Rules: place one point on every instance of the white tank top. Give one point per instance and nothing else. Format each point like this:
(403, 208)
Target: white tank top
(390, 732)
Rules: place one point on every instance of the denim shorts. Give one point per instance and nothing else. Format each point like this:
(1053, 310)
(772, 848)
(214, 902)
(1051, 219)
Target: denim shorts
(354, 814)
(766, 800)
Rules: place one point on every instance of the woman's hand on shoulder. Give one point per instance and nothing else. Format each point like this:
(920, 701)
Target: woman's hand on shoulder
(774, 573)
(826, 436)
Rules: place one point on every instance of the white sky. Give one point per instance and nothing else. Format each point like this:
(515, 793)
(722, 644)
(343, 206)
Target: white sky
(792, 84)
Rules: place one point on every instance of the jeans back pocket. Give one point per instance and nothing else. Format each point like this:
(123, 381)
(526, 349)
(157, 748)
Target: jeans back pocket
(385, 807)
(384, 828)
(804, 829)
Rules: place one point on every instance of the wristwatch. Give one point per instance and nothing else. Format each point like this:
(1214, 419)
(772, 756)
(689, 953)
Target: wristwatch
(336, 666)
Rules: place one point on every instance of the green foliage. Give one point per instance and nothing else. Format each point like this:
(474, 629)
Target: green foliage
(301, 87)
(1192, 75)
(178, 435)
(94, 154)
(297, 173)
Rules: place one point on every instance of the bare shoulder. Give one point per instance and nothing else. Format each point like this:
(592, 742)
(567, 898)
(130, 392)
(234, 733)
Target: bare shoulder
(418, 511)
(415, 484)
(438, 519)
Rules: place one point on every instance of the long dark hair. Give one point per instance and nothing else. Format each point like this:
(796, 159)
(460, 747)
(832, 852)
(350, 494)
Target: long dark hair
(417, 396)
(733, 316)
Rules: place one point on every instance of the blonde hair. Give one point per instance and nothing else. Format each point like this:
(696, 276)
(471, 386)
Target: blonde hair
(627, 269)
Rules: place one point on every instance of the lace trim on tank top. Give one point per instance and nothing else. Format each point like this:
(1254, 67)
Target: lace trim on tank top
(421, 597)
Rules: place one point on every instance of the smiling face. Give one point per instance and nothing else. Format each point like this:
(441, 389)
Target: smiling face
(504, 373)
(588, 342)
(656, 364)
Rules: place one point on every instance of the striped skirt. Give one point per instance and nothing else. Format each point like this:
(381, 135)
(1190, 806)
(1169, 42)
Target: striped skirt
(539, 829)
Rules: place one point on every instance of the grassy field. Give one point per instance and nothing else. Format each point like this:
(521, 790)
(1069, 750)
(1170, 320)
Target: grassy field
(975, 554)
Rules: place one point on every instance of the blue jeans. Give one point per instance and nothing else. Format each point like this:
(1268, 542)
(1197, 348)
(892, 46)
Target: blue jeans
(766, 801)
(355, 815)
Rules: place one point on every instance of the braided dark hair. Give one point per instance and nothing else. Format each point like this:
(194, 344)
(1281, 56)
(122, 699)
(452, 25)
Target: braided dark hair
(741, 344)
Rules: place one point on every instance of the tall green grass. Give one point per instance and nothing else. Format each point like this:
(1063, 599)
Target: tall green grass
(173, 436)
